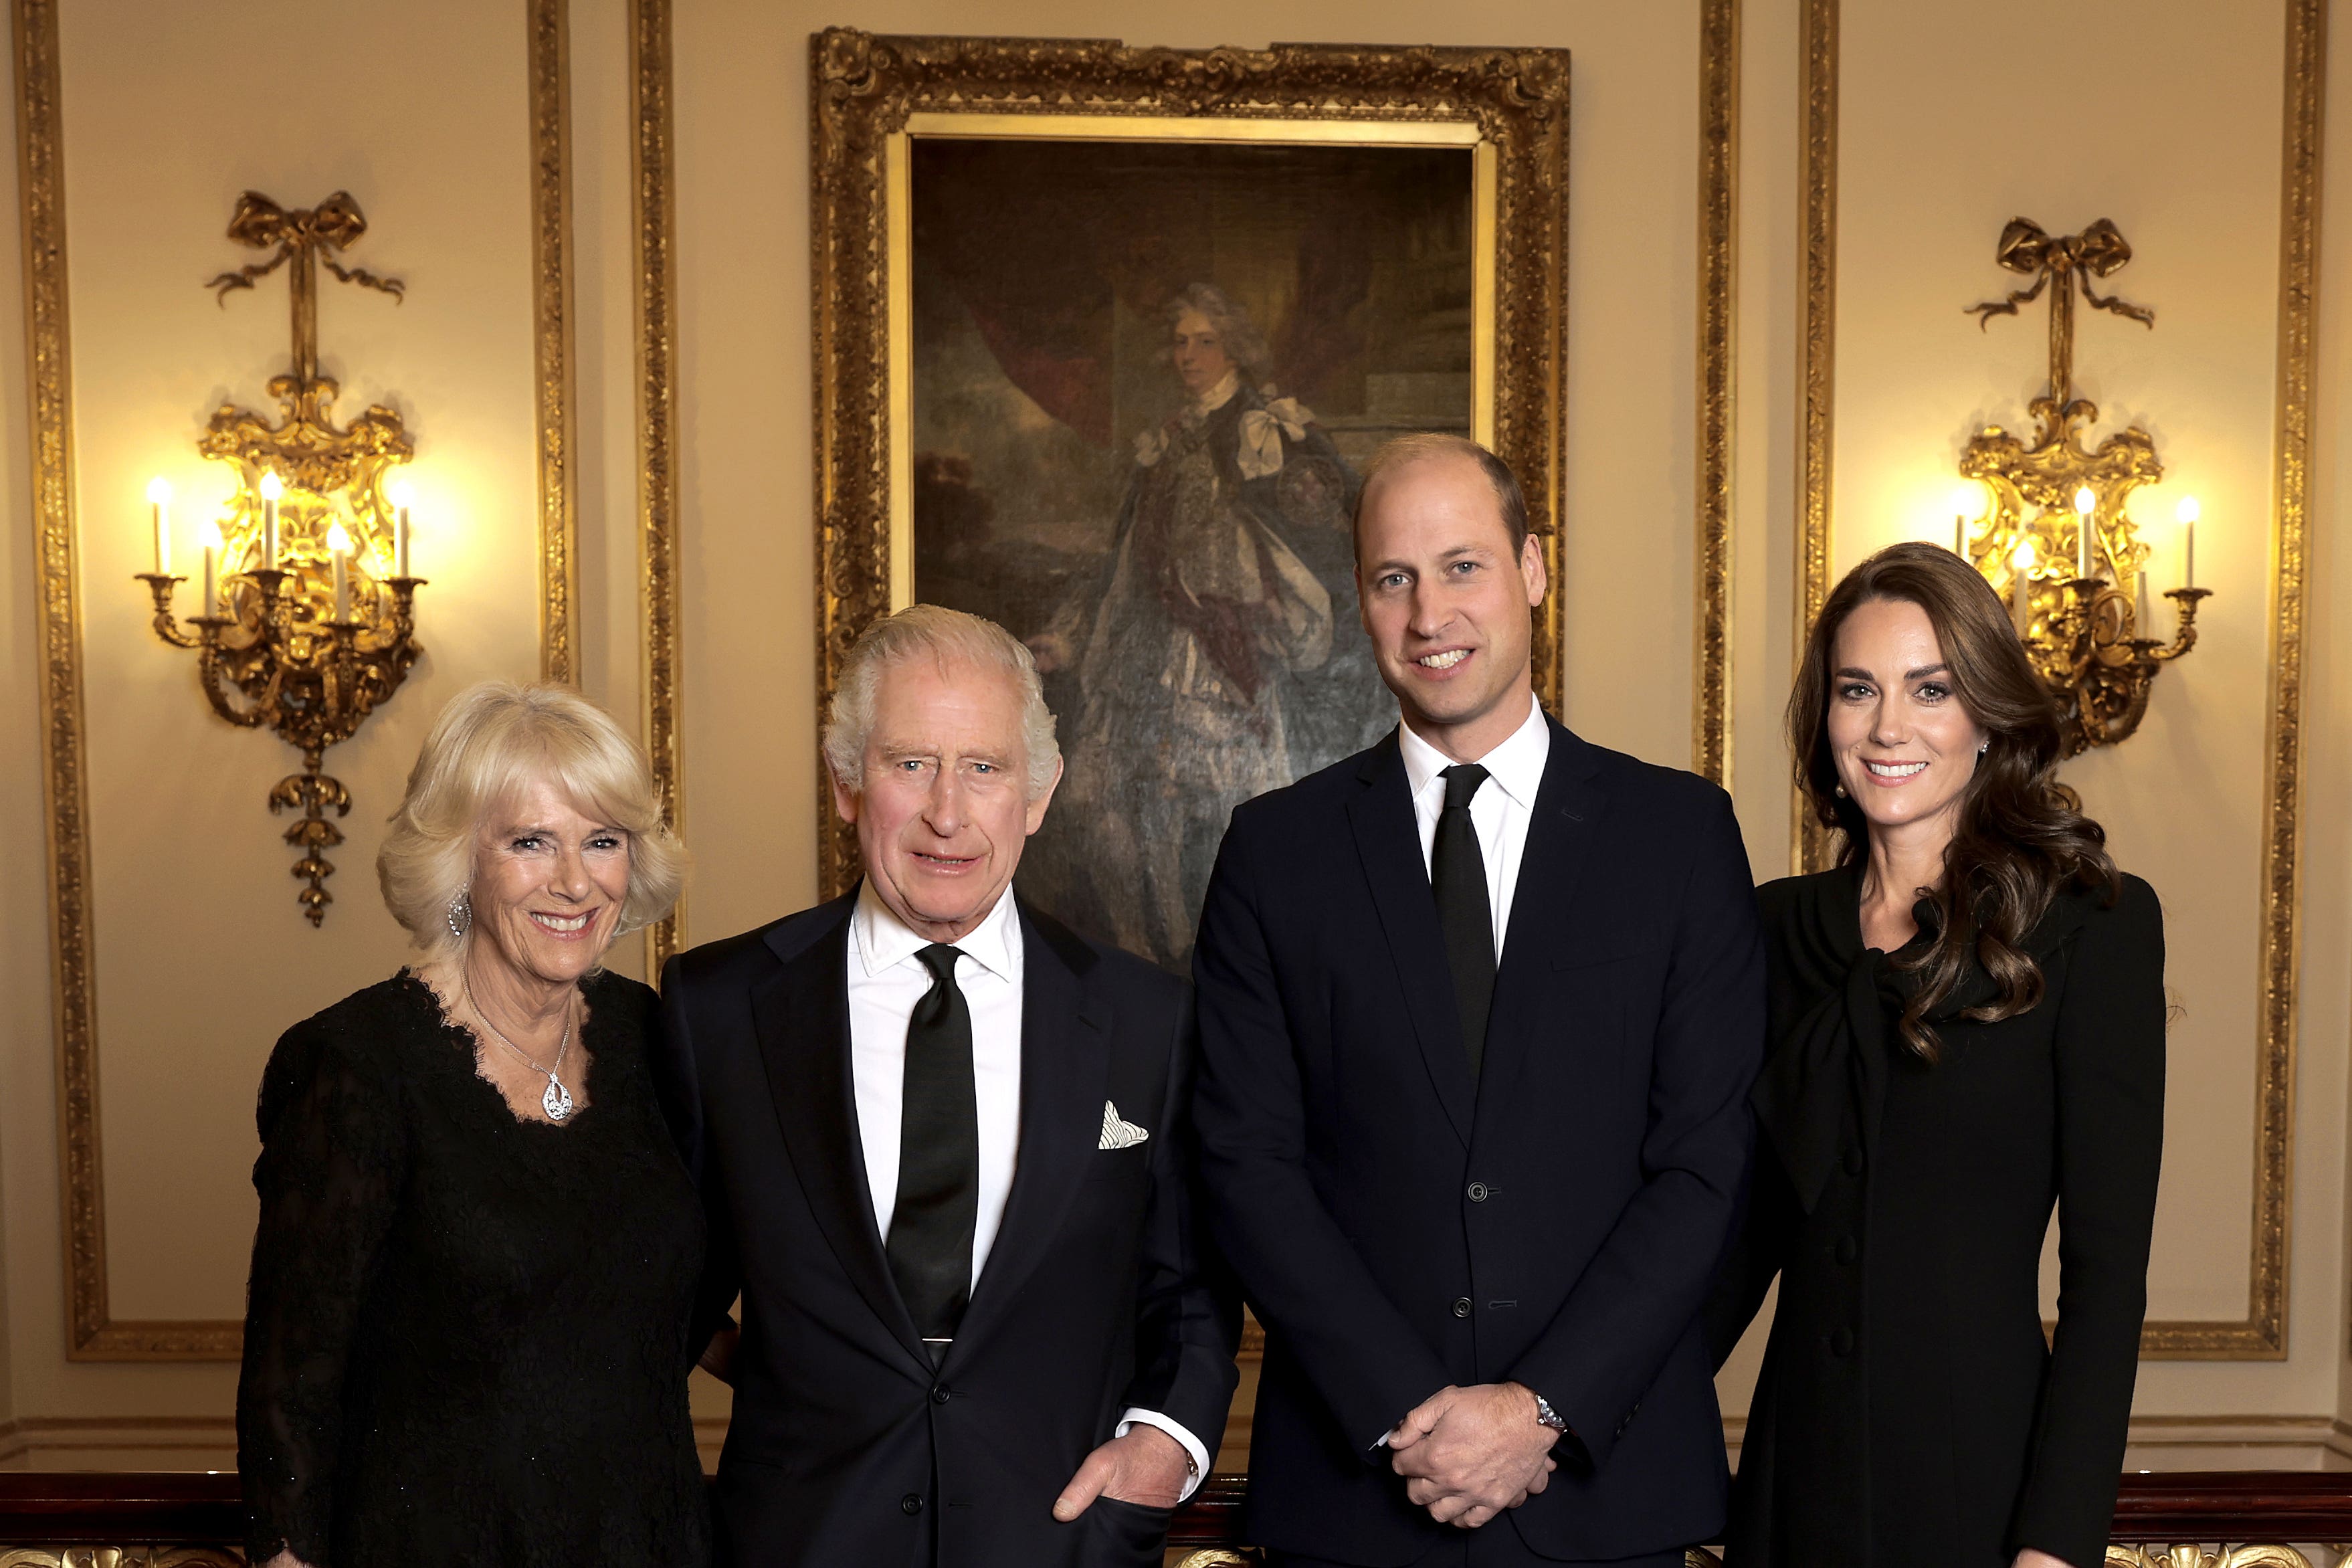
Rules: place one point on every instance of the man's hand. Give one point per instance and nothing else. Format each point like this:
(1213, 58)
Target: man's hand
(1467, 1454)
(1146, 1467)
(717, 1357)
(1052, 651)
(2033, 1557)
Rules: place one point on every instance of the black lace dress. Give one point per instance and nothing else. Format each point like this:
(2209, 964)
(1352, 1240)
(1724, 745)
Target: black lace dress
(465, 1334)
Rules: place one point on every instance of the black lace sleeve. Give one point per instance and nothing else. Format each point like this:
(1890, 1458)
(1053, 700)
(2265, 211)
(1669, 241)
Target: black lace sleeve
(330, 1174)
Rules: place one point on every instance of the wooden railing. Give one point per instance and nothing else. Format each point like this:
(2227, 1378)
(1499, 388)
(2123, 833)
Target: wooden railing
(2225, 1519)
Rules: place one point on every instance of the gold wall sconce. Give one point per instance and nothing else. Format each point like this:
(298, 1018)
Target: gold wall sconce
(306, 621)
(2056, 537)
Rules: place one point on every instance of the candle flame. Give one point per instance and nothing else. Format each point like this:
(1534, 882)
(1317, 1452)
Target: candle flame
(158, 491)
(2021, 558)
(2085, 501)
(209, 535)
(2187, 510)
(272, 487)
(338, 541)
(1968, 499)
(400, 492)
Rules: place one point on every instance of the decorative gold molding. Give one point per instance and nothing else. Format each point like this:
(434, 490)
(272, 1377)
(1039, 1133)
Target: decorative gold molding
(125, 1557)
(651, 166)
(864, 89)
(1718, 257)
(2260, 1335)
(93, 1333)
(2191, 1555)
(1809, 842)
(548, 32)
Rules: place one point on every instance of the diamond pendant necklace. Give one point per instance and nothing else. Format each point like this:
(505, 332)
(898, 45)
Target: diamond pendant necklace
(557, 1101)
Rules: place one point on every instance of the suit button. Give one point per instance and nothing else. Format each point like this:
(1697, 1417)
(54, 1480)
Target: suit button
(940, 1396)
(1853, 1161)
(910, 1503)
(1847, 1249)
(1842, 1343)
(1478, 1191)
(1461, 1306)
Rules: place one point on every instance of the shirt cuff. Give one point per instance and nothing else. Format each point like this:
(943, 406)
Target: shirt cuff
(1191, 1445)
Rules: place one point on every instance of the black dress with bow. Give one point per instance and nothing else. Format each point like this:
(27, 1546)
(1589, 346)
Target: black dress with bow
(1909, 1408)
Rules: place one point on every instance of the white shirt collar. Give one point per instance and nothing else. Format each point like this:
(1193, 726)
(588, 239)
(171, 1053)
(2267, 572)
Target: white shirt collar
(1516, 766)
(1217, 396)
(884, 941)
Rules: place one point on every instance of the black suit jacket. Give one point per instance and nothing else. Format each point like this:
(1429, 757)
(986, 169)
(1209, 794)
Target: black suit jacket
(845, 1446)
(1398, 1228)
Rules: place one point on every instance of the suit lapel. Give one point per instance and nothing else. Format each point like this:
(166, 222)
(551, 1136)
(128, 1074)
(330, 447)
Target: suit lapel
(1562, 830)
(1064, 1073)
(803, 1019)
(1388, 842)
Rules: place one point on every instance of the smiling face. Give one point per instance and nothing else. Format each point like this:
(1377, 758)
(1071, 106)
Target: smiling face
(548, 886)
(1199, 353)
(942, 808)
(1905, 747)
(1446, 601)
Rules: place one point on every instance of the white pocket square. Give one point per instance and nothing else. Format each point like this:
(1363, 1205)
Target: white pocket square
(1118, 1134)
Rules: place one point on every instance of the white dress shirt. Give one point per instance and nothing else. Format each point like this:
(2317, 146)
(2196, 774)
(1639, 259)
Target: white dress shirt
(1499, 811)
(885, 981)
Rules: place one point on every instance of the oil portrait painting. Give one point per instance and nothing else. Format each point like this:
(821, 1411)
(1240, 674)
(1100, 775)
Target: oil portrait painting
(1146, 376)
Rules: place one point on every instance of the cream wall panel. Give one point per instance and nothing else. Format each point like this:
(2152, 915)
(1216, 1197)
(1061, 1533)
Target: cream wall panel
(202, 954)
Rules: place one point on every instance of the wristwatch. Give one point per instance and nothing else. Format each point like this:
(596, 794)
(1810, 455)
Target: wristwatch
(1546, 1415)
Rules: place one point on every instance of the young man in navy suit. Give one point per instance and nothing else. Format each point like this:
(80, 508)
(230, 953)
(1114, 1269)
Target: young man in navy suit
(1479, 1012)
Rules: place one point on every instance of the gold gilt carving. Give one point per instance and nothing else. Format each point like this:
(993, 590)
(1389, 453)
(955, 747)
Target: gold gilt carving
(2194, 1556)
(2071, 571)
(864, 89)
(314, 624)
(548, 34)
(1810, 843)
(121, 1557)
(1215, 1557)
(649, 76)
(1719, 179)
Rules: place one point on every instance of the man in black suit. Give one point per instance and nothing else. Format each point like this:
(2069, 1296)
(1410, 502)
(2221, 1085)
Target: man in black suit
(1479, 1011)
(941, 1145)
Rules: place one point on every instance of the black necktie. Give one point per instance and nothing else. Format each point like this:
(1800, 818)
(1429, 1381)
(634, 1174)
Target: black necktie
(1457, 874)
(939, 1157)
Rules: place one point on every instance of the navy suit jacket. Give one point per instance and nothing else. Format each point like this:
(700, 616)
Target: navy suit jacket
(845, 1446)
(1397, 1227)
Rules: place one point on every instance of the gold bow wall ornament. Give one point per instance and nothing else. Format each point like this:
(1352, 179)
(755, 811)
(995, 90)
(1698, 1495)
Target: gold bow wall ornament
(2057, 539)
(310, 619)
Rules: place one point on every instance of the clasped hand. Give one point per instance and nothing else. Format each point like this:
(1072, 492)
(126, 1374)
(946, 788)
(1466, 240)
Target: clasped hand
(1467, 1454)
(1147, 1467)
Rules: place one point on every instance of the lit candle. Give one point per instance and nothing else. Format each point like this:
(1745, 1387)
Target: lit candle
(401, 496)
(2188, 515)
(159, 499)
(271, 488)
(1967, 504)
(210, 537)
(338, 543)
(2020, 586)
(2085, 501)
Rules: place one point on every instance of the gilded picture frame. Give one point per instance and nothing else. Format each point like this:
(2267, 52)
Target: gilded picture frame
(880, 104)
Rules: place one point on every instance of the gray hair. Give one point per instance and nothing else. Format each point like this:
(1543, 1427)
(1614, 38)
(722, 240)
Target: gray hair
(947, 636)
(1236, 334)
(490, 743)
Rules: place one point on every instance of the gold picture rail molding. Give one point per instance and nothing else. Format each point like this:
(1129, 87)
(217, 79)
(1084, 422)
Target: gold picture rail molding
(1718, 263)
(652, 162)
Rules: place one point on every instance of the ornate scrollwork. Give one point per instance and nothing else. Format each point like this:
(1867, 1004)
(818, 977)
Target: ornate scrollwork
(2195, 1556)
(121, 1557)
(865, 88)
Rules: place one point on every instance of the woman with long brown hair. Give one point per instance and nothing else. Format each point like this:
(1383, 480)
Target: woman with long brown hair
(1967, 1021)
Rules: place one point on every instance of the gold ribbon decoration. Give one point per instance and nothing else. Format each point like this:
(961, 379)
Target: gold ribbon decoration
(335, 224)
(2096, 252)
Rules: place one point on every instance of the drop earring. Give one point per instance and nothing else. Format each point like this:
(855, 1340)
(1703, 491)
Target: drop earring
(460, 914)
(1841, 792)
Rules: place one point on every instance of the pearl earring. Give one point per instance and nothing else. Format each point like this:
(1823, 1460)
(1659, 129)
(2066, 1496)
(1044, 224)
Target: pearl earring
(1841, 792)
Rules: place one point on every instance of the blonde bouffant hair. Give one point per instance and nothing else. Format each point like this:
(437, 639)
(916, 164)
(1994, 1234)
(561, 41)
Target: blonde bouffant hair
(490, 743)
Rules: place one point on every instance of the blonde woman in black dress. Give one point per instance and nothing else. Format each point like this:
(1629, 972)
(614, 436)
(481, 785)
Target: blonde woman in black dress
(465, 1335)
(1967, 1021)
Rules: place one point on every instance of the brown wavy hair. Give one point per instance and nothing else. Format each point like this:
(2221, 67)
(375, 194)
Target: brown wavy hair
(2020, 839)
